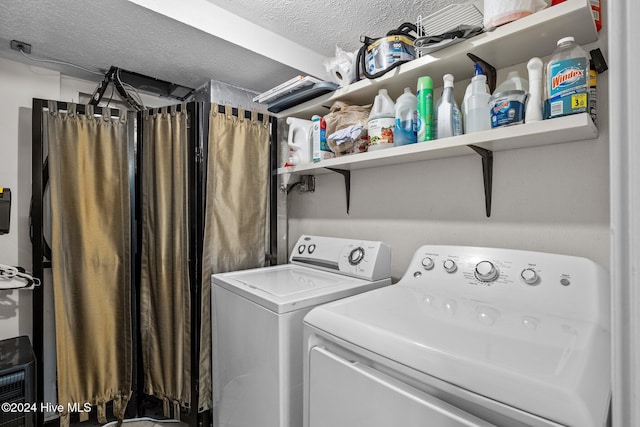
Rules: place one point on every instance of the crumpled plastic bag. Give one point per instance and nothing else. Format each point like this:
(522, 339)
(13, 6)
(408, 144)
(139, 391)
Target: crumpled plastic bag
(341, 116)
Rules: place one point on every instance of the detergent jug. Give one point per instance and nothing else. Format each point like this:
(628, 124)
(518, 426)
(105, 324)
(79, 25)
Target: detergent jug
(382, 120)
(299, 141)
(405, 131)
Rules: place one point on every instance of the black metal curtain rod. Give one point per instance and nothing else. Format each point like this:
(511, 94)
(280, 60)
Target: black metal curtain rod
(234, 112)
(157, 110)
(80, 108)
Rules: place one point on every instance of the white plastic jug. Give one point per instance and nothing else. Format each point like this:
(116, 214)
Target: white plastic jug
(299, 140)
(381, 121)
(512, 82)
(406, 128)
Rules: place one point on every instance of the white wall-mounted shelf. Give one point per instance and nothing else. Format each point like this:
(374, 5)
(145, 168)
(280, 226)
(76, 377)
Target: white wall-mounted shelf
(510, 44)
(575, 127)
(515, 43)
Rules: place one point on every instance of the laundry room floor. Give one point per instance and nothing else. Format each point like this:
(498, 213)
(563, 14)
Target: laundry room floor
(153, 417)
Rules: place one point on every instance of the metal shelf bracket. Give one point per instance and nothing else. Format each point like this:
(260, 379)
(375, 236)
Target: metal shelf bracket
(347, 183)
(487, 175)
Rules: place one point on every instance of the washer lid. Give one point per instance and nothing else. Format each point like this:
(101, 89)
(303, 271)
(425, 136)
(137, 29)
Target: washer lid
(553, 367)
(289, 287)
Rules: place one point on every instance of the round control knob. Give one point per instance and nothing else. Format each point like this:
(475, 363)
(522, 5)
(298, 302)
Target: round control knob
(450, 266)
(301, 249)
(356, 255)
(486, 271)
(529, 276)
(427, 263)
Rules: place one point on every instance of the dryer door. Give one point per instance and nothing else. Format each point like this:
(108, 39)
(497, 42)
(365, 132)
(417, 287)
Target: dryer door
(347, 394)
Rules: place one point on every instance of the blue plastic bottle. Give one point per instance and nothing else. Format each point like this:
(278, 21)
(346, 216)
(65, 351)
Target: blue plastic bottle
(566, 80)
(406, 128)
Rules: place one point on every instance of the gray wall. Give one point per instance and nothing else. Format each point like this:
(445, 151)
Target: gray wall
(551, 198)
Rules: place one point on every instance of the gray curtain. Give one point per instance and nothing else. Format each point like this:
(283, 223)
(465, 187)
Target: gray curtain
(89, 181)
(165, 323)
(236, 217)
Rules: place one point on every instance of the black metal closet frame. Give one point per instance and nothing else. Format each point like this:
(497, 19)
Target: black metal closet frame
(198, 123)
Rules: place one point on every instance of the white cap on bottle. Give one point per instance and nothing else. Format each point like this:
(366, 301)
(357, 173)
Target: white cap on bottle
(448, 80)
(564, 40)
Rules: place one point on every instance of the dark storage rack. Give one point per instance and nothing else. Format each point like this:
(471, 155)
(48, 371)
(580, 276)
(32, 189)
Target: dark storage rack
(17, 383)
(198, 114)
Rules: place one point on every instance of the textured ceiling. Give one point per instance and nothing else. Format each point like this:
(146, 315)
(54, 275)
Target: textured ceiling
(323, 25)
(97, 34)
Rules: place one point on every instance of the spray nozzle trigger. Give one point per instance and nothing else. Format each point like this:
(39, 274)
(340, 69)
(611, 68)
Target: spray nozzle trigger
(487, 69)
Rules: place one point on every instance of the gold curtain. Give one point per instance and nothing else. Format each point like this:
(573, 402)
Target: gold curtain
(165, 322)
(236, 214)
(89, 178)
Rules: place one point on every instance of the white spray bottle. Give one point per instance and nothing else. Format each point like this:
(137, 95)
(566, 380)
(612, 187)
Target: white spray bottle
(449, 122)
(478, 116)
(469, 90)
(533, 112)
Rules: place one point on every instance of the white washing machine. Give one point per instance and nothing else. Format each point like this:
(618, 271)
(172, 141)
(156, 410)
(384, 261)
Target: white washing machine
(468, 337)
(257, 346)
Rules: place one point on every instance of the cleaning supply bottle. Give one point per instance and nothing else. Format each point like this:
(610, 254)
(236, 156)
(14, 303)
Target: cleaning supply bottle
(448, 121)
(566, 80)
(487, 69)
(468, 91)
(478, 115)
(299, 141)
(508, 101)
(481, 67)
(405, 130)
(425, 109)
(533, 112)
(382, 120)
(513, 82)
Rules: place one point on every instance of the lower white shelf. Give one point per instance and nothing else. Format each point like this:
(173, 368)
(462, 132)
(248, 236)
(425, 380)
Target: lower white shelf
(575, 127)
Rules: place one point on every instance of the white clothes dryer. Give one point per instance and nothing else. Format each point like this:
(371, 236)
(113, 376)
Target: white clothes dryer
(471, 337)
(257, 346)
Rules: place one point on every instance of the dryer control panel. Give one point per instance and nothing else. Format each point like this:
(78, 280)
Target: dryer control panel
(551, 283)
(364, 259)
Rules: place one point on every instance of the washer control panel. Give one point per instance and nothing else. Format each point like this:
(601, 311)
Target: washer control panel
(532, 279)
(370, 260)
